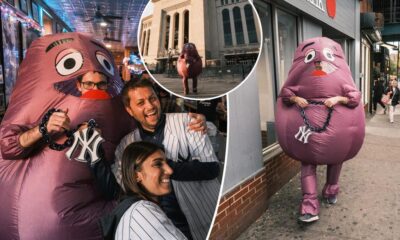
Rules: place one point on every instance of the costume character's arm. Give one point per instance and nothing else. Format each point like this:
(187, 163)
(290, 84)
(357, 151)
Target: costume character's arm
(288, 93)
(18, 141)
(353, 96)
(11, 148)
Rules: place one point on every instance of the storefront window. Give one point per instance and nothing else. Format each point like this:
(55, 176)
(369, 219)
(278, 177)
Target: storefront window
(287, 43)
(274, 64)
(251, 27)
(47, 24)
(227, 27)
(265, 75)
(35, 11)
(238, 25)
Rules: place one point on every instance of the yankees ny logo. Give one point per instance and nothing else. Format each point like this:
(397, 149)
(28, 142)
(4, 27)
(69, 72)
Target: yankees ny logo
(90, 146)
(303, 134)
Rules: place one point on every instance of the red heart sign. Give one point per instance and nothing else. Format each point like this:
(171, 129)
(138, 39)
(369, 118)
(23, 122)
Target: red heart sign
(331, 7)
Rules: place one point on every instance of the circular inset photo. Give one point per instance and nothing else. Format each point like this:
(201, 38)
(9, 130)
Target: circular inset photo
(200, 49)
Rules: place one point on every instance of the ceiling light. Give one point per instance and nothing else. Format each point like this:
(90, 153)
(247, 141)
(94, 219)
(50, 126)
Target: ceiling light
(103, 24)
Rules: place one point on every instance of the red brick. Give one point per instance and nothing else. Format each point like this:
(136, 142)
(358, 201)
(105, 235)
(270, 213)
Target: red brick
(240, 193)
(247, 202)
(220, 216)
(223, 205)
(254, 183)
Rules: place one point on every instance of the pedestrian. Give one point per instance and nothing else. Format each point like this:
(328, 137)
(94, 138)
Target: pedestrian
(394, 95)
(378, 92)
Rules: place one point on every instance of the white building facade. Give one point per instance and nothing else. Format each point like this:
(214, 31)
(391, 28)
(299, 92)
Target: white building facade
(224, 32)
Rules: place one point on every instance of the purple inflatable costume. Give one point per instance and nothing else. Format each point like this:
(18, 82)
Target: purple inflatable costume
(44, 195)
(319, 72)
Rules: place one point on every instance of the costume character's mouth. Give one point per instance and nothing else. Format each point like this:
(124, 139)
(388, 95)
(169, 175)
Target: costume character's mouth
(96, 94)
(323, 68)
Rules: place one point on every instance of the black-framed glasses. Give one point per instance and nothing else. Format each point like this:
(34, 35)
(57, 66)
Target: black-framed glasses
(103, 85)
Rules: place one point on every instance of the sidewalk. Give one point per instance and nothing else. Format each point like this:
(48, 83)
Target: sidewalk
(368, 204)
(207, 87)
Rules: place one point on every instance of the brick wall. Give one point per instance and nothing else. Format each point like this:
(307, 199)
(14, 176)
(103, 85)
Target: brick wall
(240, 207)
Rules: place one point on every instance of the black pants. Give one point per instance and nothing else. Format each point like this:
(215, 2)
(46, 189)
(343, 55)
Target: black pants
(376, 101)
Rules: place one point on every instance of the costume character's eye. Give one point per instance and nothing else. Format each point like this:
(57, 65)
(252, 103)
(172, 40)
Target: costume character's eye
(105, 63)
(329, 54)
(310, 55)
(69, 63)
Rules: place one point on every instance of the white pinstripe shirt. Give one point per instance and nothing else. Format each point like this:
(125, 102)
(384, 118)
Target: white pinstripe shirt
(197, 199)
(146, 220)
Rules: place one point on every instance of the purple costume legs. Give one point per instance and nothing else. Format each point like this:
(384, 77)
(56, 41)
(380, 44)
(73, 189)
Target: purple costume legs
(310, 203)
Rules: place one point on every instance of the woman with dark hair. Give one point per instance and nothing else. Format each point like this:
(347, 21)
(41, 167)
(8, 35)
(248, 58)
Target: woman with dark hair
(146, 177)
(394, 94)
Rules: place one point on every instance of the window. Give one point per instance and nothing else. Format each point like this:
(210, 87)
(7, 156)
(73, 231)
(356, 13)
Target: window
(23, 5)
(176, 31)
(265, 77)
(147, 42)
(35, 11)
(226, 22)
(167, 27)
(238, 25)
(251, 27)
(47, 24)
(287, 43)
(273, 66)
(143, 42)
(186, 28)
(222, 2)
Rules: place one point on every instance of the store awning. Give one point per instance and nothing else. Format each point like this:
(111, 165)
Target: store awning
(371, 25)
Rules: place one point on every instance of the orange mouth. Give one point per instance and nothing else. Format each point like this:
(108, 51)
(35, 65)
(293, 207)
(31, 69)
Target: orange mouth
(318, 73)
(96, 94)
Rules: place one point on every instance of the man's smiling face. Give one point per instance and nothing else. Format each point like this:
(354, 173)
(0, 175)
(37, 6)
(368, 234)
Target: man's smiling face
(145, 107)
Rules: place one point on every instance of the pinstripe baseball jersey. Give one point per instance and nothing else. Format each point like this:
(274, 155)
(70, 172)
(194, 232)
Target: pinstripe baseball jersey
(146, 220)
(197, 199)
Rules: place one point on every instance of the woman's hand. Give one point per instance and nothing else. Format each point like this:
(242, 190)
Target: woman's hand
(301, 102)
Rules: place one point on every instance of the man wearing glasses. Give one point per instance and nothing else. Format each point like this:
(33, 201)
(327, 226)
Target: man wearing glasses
(93, 85)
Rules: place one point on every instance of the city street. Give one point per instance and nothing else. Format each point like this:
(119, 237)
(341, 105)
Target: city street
(368, 204)
(207, 87)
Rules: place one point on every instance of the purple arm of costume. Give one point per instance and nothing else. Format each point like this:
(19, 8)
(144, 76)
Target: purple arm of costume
(287, 93)
(353, 95)
(9, 143)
